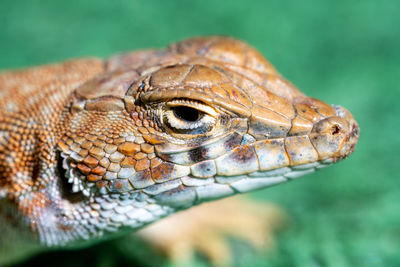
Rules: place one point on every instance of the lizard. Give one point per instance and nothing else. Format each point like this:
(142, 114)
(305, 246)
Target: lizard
(94, 147)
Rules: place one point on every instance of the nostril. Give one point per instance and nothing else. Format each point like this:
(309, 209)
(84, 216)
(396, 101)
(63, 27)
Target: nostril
(335, 129)
(333, 126)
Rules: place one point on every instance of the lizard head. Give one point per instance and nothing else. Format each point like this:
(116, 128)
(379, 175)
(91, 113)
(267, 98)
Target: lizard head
(209, 117)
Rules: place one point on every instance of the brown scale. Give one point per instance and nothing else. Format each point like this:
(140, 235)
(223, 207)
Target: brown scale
(19, 87)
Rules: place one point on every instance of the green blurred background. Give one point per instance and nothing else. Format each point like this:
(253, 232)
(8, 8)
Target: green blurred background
(343, 52)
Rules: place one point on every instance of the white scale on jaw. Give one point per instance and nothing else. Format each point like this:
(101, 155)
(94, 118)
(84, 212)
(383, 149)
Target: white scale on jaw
(76, 179)
(218, 186)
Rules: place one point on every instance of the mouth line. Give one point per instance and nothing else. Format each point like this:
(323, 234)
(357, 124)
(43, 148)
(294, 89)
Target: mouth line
(238, 183)
(190, 190)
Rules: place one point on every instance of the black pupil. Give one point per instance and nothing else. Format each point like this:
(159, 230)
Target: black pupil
(186, 113)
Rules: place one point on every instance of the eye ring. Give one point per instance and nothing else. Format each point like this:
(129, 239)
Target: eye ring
(188, 116)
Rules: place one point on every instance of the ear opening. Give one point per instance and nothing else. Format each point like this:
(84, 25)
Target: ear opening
(66, 188)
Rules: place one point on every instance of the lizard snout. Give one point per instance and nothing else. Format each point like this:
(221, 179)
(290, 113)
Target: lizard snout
(336, 136)
(352, 132)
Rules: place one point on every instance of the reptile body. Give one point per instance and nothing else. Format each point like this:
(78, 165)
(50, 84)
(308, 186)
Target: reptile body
(91, 147)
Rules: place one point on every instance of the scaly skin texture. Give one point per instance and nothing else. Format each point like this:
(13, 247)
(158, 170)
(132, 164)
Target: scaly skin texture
(90, 147)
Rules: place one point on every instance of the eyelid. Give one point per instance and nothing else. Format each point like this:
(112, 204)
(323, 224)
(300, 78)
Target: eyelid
(193, 104)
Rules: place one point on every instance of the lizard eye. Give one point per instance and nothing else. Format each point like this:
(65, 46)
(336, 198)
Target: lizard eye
(189, 117)
(186, 113)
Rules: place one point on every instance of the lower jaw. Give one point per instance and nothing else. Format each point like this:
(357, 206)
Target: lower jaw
(196, 190)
